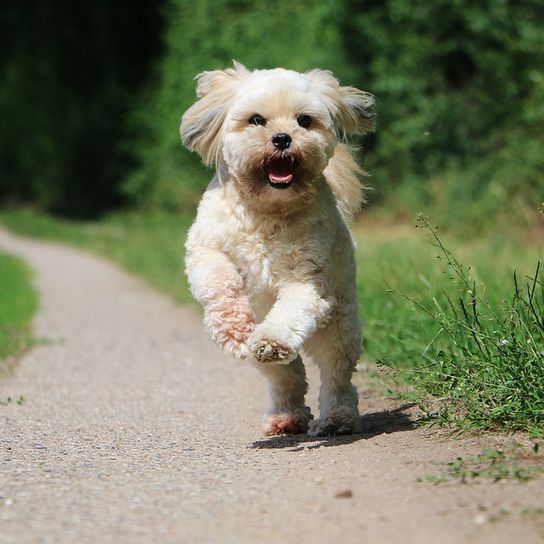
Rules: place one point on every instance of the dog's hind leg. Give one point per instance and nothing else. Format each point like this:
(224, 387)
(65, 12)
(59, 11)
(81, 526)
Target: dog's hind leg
(336, 350)
(287, 386)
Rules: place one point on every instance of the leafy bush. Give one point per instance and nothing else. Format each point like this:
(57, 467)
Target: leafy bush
(460, 88)
(207, 35)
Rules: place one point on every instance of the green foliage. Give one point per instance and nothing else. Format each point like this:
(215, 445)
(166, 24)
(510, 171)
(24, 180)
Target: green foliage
(18, 302)
(460, 88)
(207, 35)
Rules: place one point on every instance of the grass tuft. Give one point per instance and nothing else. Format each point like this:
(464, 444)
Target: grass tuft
(18, 302)
(520, 464)
(487, 358)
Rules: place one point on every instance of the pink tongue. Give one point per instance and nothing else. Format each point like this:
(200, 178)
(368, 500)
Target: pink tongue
(280, 170)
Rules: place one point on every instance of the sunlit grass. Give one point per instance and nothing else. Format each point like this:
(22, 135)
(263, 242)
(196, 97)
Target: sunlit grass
(150, 245)
(473, 334)
(18, 302)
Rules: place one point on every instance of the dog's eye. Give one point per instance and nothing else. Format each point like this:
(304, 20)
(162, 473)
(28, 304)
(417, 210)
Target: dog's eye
(257, 120)
(304, 121)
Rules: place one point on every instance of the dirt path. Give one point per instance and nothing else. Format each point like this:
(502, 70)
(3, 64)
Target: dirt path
(136, 429)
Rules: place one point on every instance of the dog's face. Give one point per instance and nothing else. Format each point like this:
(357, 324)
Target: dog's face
(273, 131)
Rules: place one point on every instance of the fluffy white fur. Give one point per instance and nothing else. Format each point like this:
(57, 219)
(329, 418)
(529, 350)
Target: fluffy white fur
(272, 263)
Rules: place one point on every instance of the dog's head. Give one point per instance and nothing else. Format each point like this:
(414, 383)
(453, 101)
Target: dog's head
(273, 131)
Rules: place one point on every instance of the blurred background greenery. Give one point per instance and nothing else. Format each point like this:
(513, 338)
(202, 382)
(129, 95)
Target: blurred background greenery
(91, 97)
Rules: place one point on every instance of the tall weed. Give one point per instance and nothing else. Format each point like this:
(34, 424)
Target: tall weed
(487, 358)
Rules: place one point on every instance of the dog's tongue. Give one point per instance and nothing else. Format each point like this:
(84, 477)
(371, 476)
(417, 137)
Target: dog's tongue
(280, 170)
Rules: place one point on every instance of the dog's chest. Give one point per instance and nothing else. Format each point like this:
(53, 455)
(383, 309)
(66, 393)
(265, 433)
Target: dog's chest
(262, 259)
(258, 259)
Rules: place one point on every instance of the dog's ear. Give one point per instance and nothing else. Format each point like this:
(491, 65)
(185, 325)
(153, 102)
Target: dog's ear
(351, 109)
(201, 124)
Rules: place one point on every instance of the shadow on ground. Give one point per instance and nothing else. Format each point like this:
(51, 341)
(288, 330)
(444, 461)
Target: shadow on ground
(373, 424)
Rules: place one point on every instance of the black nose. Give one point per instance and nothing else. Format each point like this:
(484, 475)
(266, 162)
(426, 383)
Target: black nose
(281, 141)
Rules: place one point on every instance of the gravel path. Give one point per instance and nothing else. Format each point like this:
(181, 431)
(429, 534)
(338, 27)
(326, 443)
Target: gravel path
(136, 429)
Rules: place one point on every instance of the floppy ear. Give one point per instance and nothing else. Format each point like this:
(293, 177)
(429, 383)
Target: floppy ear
(201, 124)
(351, 109)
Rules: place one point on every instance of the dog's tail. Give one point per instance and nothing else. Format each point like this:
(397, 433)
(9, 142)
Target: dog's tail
(343, 175)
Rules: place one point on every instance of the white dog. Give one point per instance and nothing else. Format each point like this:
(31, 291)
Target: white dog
(270, 255)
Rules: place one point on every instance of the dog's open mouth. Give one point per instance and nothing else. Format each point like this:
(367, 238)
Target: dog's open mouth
(281, 172)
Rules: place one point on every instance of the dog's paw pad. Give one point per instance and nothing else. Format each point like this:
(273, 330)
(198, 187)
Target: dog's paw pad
(268, 351)
(284, 424)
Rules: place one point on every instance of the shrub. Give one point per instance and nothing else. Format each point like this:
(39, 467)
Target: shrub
(460, 88)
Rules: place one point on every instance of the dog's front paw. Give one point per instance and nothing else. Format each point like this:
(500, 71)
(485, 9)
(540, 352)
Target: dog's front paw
(271, 348)
(271, 351)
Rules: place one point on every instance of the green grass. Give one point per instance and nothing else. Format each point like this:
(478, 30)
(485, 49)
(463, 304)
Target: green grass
(150, 245)
(519, 463)
(410, 286)
(18, 302)
(473, 336)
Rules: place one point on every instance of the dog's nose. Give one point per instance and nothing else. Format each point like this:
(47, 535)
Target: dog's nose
(281, 141)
